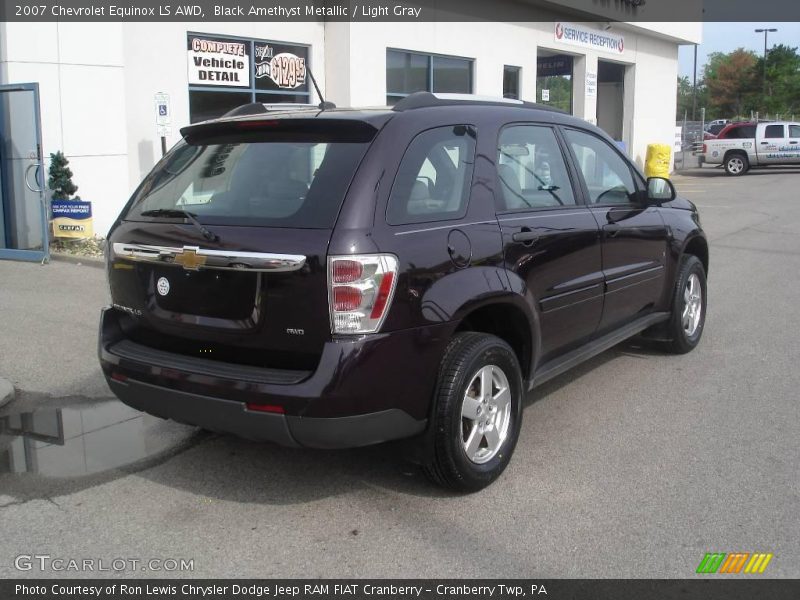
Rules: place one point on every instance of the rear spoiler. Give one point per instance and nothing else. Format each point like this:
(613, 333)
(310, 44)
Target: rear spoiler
(296, 128)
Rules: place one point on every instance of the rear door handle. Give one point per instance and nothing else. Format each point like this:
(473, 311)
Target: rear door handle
(525, 236)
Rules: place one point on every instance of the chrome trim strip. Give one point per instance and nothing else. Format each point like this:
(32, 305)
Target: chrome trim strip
(226, 260)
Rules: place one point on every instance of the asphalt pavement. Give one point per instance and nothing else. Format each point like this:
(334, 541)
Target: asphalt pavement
(635, 464)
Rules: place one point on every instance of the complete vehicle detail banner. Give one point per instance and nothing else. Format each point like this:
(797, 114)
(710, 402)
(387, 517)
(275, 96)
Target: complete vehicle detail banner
(400, 10)
(397, 589)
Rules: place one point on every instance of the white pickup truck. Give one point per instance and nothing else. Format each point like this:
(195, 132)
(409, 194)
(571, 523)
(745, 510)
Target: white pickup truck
(775, 144)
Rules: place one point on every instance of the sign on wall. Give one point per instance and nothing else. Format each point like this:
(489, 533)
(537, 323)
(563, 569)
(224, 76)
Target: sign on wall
(550, 66)
(163, 115)
(280, 67)
(591, 84)
(218, 61)
(588, 37)
(72, 219)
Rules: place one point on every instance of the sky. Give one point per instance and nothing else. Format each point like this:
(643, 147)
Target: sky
(725, 37)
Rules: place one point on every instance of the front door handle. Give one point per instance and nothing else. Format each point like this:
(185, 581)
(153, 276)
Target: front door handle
(525, 236)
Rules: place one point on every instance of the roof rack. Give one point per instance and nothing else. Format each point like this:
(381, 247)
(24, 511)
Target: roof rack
(427, 99)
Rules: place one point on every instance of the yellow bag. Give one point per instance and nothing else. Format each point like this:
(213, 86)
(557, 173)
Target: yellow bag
(658, 160)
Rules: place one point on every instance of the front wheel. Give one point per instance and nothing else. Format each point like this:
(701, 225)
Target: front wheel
(478, 412)
(689, 302)
(736, 164)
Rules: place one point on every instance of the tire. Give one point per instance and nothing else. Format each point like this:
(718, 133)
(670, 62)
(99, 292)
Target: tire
(736, 164)
(685, 326)
(468, 454)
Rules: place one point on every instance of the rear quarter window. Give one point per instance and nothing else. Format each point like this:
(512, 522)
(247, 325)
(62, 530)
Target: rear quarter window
(434, 178)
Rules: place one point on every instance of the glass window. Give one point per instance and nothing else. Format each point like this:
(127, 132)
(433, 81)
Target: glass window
(794, 131)
(406, 72)
(511, 82)
(433, 181)
(531, 170)
(211, 105)
(774, 132)
(744, 132)
(292, 180)
(452, 75)
(225, 73)
(409, 72)
(608, 177)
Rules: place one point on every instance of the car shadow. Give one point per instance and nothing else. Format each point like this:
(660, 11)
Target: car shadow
(225, 467)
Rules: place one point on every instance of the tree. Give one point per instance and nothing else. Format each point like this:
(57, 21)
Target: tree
(731, 82)
(60, 180)
(783, 81)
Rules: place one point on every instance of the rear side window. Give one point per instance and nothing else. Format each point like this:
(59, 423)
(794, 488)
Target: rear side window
(531, 170)
(434, 178)
(773, 131)
(269, 180)
(794, 131)
(745, 132)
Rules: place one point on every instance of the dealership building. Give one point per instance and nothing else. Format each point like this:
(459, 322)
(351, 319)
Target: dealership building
(108, 92)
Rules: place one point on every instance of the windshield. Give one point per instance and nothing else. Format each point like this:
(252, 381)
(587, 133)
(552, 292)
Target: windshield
(275, 183)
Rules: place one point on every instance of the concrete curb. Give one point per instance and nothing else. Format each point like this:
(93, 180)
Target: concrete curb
(86, 261)
(7, 392)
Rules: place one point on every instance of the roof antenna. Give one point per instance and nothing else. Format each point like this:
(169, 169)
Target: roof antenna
(323, 105)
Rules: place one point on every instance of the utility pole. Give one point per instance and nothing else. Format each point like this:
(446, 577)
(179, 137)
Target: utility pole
(766, 32)
(694, 85)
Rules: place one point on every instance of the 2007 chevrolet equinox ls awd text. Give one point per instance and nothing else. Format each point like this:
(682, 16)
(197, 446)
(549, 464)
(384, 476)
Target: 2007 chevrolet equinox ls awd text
(338, 278)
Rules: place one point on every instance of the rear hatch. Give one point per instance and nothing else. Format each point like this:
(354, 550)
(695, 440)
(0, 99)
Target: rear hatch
(221, 252)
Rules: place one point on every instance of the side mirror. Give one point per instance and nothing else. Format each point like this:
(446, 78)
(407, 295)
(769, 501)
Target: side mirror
(660, 190)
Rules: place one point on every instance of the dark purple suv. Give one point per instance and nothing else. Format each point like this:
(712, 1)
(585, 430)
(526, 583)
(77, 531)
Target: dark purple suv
(339, 278)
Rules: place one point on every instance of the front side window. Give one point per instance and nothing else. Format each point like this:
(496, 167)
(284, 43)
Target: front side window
(433, 181)
(531, 170)
(606, 174)
(794, 131)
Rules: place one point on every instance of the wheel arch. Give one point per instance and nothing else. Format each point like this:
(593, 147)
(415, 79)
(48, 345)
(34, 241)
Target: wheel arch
(508, 318)
(697, 246)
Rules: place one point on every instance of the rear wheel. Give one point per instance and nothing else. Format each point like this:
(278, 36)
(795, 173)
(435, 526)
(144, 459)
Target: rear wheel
(685, 326)
(736, 164)
(478, 412)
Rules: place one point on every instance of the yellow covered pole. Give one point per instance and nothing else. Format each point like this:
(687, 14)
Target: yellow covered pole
(658, 160)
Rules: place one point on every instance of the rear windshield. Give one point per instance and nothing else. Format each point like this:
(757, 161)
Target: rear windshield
(273, 181)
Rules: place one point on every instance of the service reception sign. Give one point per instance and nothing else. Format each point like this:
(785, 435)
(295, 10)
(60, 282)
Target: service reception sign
(588, 37)
(218, 61)
(72, 219)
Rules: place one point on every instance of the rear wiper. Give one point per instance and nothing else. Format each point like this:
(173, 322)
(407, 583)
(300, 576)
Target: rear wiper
(177, 212)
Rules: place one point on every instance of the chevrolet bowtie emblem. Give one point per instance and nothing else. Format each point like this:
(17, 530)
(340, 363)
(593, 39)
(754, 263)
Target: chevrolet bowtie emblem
(190, 260)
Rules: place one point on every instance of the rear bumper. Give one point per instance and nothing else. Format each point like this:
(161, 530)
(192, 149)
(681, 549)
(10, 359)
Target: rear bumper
(232, 416)
(364, 391)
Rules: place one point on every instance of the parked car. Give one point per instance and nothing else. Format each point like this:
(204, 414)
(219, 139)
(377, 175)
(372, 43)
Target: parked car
(342, 278)
(771, 144)
(720, 123)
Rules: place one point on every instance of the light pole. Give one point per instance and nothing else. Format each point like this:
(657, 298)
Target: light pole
(766, 32)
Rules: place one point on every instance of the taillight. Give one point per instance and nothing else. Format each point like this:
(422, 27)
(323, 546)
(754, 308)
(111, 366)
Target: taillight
(705, 148)
(360, 290)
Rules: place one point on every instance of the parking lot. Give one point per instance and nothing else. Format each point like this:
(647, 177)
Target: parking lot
(633, 465)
